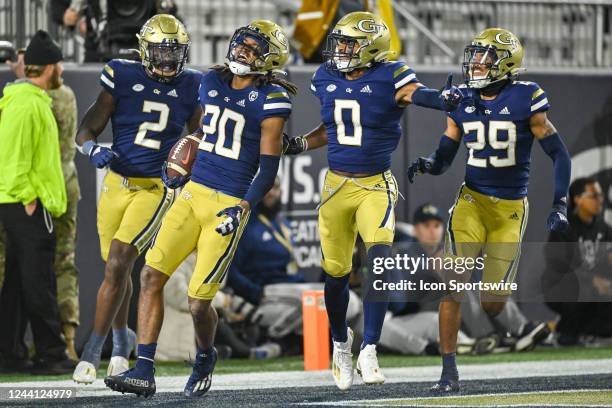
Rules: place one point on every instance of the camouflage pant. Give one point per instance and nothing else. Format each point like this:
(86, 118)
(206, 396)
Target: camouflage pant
(65, 268)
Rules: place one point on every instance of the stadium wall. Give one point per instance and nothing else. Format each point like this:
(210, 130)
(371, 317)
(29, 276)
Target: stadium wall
(581, 111)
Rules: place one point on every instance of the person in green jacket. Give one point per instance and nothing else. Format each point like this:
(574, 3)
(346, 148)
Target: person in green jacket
(65, 112)
(32, 192)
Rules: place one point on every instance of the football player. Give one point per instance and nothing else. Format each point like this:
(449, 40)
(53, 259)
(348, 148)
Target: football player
(498, 120)
(148, 103)
(245, 105)
(362, 100)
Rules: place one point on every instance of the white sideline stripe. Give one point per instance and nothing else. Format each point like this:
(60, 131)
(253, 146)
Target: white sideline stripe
(403, 81)
(539, 104)
(416, 400)
(287, 379)
(278, 105)
(107, 81)
(313, 88)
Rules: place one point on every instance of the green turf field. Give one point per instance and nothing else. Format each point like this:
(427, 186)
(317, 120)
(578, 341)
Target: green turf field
(601, 398)
(295, 363)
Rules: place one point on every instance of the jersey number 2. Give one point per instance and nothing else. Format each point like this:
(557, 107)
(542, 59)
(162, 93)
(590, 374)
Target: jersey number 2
(158, 126)
(480, 143)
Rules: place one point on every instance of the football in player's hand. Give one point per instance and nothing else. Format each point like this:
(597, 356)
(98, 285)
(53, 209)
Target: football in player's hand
(182, 155)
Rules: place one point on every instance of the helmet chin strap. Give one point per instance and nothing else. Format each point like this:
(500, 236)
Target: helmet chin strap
(495, 87)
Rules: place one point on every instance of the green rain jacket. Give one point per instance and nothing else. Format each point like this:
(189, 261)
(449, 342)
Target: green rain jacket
(30, 160)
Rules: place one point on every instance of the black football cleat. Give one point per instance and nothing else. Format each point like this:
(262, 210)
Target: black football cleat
(445, 386)
(200, 380)
(132, 382)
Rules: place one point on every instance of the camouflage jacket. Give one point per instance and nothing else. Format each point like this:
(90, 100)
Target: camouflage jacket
(65, 112)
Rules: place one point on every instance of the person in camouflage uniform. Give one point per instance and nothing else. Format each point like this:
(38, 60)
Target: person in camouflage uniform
(65, 113)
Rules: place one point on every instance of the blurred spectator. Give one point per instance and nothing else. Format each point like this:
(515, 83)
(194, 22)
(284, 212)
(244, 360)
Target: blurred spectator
(8, 54)
(316, 19)
(32, 190)
(413, 329)
(577, 279)
(265, 254)
(177, 337)
(412, 326)
(65, 113)
(265, 274)
(110, 26)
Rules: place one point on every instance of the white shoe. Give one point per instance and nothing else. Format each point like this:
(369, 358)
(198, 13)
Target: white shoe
(342, 362)
(117, 365)
(84, 373)
(367, 366)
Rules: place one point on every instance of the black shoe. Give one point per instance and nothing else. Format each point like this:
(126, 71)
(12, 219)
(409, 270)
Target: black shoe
(445, 386)
(532, 334)
(132, 382)
(200, 380)
(52, 366)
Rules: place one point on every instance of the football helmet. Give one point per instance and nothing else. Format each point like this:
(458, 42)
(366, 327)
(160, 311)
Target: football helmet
(163, 43)
(358, 40)
(258, 48)
(493, 55)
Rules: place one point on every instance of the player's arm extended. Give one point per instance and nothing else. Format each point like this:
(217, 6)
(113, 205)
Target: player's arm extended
(314, 139)
(93, 124)
(553, 146)
(269, 157)
(440, 160)
(95, 119)
(418, 94)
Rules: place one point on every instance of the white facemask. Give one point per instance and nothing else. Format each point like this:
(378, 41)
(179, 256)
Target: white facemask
(239, 69)
(346, 65)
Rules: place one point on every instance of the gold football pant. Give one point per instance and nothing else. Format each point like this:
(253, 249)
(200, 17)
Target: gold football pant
(489, 226)
(349, 206)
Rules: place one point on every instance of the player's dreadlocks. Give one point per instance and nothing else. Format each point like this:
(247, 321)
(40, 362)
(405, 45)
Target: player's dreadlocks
(260, 80)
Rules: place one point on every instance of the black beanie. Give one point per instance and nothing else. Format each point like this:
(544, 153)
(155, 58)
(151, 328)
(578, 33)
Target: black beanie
(42, 50)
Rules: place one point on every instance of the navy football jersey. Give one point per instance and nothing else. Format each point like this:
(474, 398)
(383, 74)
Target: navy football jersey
(361, 116)
(498, 137)
(149, 116)
(228, 156)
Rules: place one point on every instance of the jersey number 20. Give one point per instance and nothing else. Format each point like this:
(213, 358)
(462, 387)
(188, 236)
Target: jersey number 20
(218, 124)
(480, 143)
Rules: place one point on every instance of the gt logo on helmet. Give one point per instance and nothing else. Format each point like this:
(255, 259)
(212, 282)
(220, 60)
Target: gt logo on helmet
(281, 37)
(509, 40)
(369, 26)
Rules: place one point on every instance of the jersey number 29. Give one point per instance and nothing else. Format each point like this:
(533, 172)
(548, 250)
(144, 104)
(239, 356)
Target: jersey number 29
(480, 143)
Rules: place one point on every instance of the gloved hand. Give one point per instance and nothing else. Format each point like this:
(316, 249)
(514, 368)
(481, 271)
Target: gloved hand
(421, 165)
(231, 221)
(172, 182)
(101, 156)
(451, 95)
(557, 220)
(295, 145)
